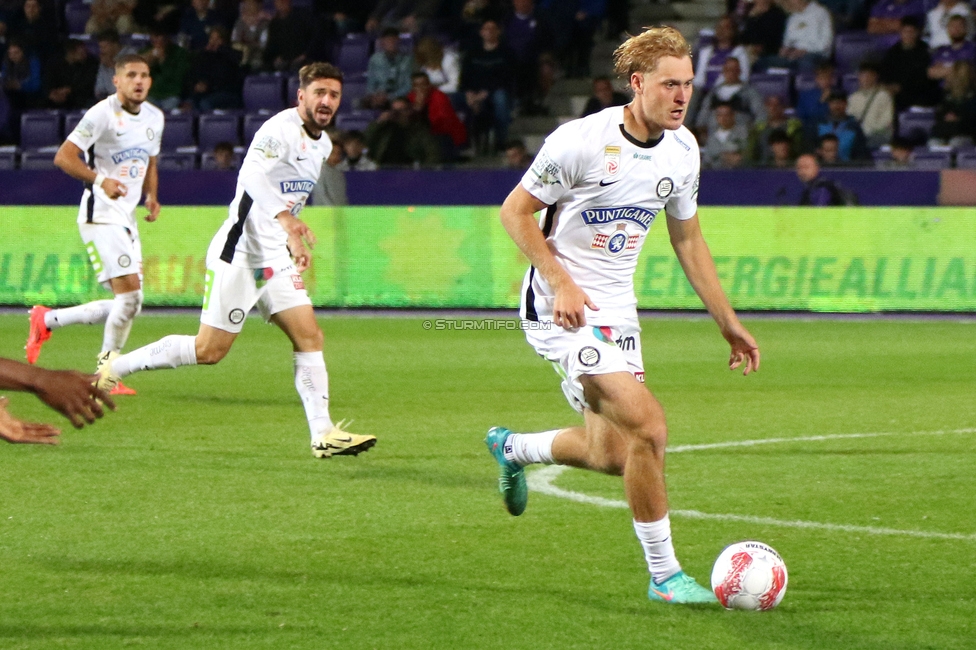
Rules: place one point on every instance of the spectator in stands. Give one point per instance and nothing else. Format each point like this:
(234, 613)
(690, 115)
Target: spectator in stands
(289, 35)
(195, 25)
(809, 35)
(395, 138)
(162, 14)
(713, 56)
(732, 90)
(762, 32)
(526, 33)
(727, 131)
(250, 34)
(109, 47)
(408, 16)
(345, 16)
(811, 104)
(955, 118)
(21, 75)
(588, 18)
(828, 151)
(434, 108)
(330, 188)
(487, 81)
(354, 147)
(168, 64)
(35, 31)
(214, 78)
(517, 156)
(70, 80)
(731, 156)
(223, 157)
(818, 191)
(901, 152)
(604, 96)
(937, 21)
(872, 106)
(111, 14)
(904, 70)
(760, 148)
(849, 15)
(442, 66)
(388, 72)
(886, 15)
(853, 144)
(781, 150)
(958, 49)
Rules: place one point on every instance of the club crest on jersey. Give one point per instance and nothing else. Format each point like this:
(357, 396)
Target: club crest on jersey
(664, 188)
(296, 187)
(611, 160)
(602, 216)
(615, 243)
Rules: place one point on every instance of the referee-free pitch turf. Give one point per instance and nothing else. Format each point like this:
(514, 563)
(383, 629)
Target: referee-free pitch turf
(196, 517)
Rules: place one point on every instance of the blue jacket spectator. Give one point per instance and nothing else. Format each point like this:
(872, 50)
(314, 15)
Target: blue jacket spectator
(21, 75)
(811, 104)
(852, 143)
(388, 72)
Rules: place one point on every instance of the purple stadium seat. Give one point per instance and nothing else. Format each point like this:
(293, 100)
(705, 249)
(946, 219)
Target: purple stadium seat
(263, 91)
(966, 160)
(71, 121)
(176, 161)
(8, 159)
(291, 91)
(916, 123)
(37, 160)
(355, 121)
(931, 160)
(852, 48)
(354, 53)
(849, 82)
(178, 131)
(207, 161)
(881, 157)
(76, 16)
(216, 127)
(253, 122)
(768, 84)
(40, 129)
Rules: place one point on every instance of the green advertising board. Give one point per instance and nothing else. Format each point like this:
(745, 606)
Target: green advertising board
(819, 259)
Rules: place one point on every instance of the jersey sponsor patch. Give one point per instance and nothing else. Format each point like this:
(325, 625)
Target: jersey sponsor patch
(589, 356)
(297, 280)
(546, 170)
(664, 188)
(601, 216)
(136, 153)
(296, 187)
(611, 160)
(85, 129)
(639, 376)
(269, 146)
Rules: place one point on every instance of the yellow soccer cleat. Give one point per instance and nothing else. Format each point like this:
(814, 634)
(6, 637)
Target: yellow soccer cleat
(107, 380)
(341, 443)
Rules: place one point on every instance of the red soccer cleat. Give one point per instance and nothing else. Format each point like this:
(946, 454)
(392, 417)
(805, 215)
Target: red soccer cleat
(39, 333)
(122, 389)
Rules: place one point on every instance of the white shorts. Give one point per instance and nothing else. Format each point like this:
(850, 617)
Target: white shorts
(589, 351)
(114, 250)
(231, 291)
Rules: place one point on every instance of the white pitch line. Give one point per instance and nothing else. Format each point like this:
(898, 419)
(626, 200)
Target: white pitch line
(542, 481)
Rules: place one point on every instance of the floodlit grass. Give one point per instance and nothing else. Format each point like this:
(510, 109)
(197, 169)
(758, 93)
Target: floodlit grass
(195, 516)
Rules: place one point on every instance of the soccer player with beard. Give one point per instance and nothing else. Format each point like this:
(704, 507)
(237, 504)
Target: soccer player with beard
(600, 182)
(257, 257)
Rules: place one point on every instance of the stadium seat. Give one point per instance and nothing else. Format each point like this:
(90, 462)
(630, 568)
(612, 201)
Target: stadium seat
(263, 91)
(353, 54)
(217, 127)
(355, 121)
(966, 160)
(291, 91)
(253, 122)
(916, 123)
(176, 161)
(207, 161)
(40, 129)
(881, 157)
(852, 48)
(71, 121)
(931, 160)
(178, 131)
(8, 158)
(769, 84)
(41, 159)
(76, 16)
(353, 90)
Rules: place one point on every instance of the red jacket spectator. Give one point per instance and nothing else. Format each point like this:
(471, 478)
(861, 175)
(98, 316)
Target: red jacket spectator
(440, 113)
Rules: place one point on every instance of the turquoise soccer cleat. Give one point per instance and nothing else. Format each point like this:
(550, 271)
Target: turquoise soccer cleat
(680, 589)
(511, 476)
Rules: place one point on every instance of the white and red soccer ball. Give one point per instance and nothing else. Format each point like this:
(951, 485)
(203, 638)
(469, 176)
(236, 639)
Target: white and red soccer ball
(749, 575)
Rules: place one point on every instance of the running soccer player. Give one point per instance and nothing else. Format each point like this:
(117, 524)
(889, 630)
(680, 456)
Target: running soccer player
(601, 181)
(119, 138)
(257, 258)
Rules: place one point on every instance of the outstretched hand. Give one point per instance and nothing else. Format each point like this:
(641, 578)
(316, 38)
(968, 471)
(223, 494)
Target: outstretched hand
(72, 394)
(18, 431)
(744, 349)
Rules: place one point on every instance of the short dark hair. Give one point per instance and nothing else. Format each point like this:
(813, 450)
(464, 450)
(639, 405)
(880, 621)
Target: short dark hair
(224, 145)
(869, 66)
(911, 21)
(779, 135)
(827, 137)
(355, 135)
(515, 144)
(390, 31)
(123, 60)
(109, 35)
(318, 70)
(957, 17)
(419, 74)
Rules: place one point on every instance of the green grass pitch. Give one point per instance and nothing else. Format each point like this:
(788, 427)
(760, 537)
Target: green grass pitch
(195, 516)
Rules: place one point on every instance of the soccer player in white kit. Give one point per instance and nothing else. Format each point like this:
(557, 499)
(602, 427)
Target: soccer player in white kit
(119, 138)
(601, 181)
(257, 258)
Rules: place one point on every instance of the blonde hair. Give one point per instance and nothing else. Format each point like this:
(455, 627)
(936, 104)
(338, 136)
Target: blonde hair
(642, 52)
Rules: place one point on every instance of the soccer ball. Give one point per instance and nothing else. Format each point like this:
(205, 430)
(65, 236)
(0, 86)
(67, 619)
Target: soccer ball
(749, 575)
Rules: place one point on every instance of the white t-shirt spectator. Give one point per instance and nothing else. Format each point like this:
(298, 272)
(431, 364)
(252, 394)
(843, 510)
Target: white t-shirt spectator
(937, 19)
(810, 30)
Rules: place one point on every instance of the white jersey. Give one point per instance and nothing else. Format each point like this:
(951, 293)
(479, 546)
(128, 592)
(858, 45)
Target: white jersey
(278, 173)
(604, 189)
(117, 144)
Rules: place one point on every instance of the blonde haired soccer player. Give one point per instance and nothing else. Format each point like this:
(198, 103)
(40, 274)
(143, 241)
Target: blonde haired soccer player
(601, 181)
(257, 258)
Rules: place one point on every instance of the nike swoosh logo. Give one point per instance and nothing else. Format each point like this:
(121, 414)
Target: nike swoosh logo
(347, 439)
(604, 183)
(301, 159)
(668, 596)
(119, 134)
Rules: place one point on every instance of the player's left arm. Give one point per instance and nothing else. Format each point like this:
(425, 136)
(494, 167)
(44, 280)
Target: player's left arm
(150, 188)
(699, 267)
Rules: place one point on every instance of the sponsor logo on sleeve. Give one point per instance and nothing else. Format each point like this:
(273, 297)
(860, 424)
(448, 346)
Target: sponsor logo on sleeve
(269, 146)
(85, 128)
(664, 188)
(546, 170)
(611, 160)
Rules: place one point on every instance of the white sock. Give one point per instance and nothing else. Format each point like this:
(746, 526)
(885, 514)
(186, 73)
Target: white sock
(528, 448)
(655, 537)
(88, 314)
(312, 384)
(168, 352)
(119, 321)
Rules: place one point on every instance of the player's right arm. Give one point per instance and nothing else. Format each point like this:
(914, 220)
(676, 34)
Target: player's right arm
(70, 153)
